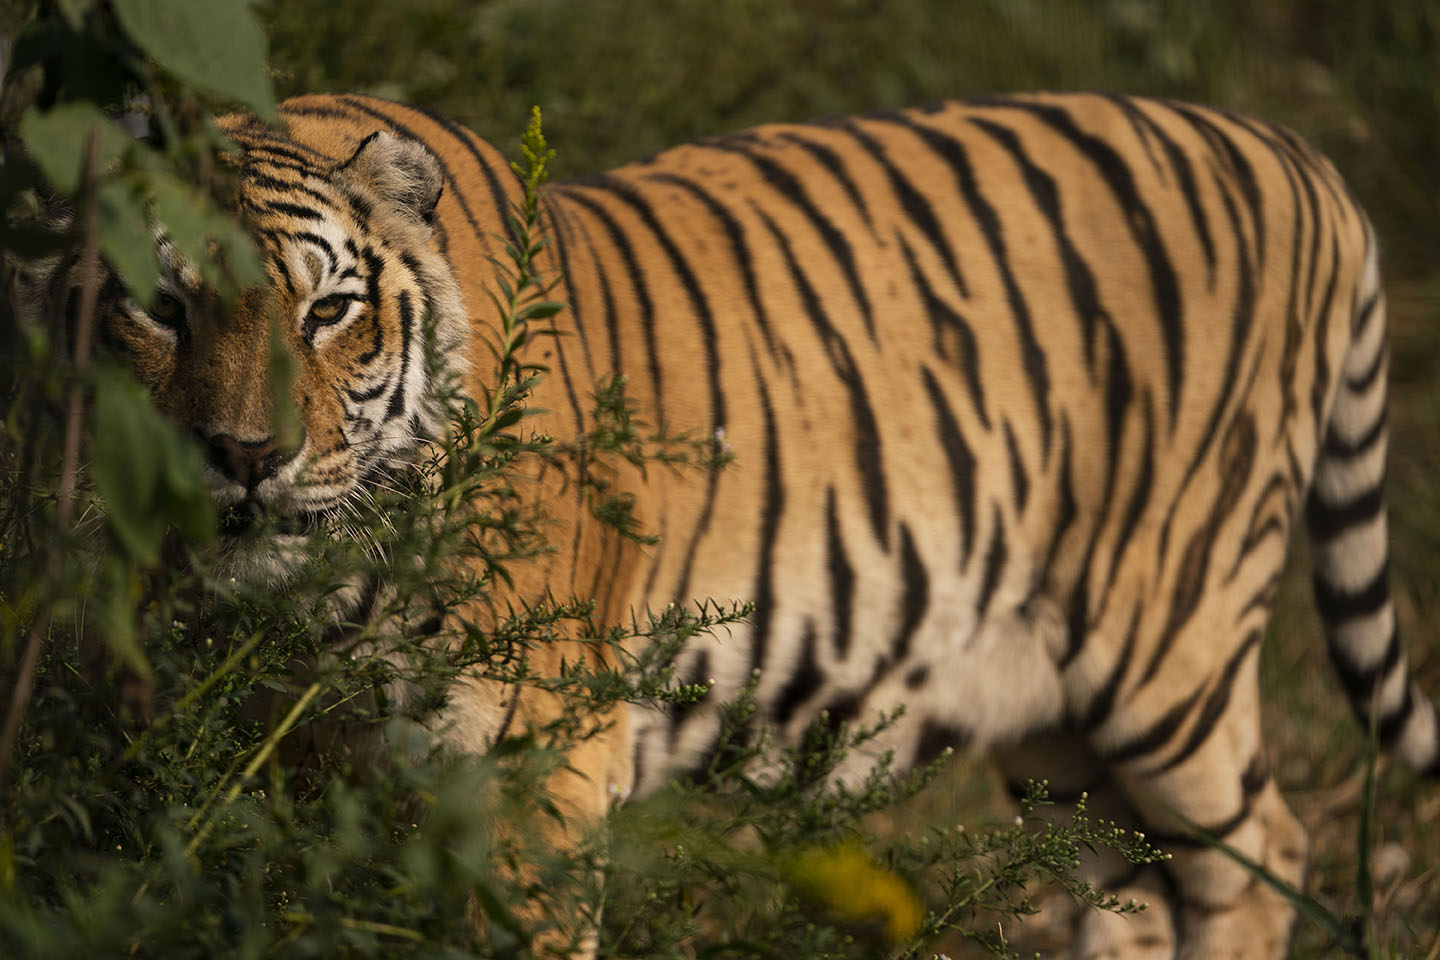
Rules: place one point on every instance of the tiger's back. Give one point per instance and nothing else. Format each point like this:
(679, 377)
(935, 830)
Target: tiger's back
(1025, 396)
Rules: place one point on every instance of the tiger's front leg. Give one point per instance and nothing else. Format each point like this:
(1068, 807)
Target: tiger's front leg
(594, 773)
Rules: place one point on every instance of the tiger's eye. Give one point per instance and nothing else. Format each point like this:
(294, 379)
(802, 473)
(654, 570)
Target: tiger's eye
(168, 310)
(327, 310)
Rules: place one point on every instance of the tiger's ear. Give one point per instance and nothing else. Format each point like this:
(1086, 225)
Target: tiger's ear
(400, 170)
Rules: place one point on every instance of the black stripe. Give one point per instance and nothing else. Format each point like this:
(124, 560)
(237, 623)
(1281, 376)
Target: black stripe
(700, 308)
(1141, 221)
(1214, 706)
(1019, 479)
(1257, 529)
(1195, 841)
(374, 266)
(1076, 619)
(1312, 265)
(944, 320)
(794, 190)
(935, 738)
(995, 558)
(842, 578)
(285, 155)
(1241, 323)
(1179, 162)
(407, 322)
(830, 160)
(1079, 279)
(1330, 520)
(289, 209)
(607, 299)
(1220, 141)
(1066, 509)
(1366, 380)
(360, 208)
(1141, 124)
(1359, 681)
(1097, 711)
(315, 240)
(770, 514)
(1336, 603)
(1321, 385)
(551, 234)
(916, 599)
(1290, 352)
(277, 261)
(646, 318)
(377, 341)
(955, 156)
(249, 176)
(1363, 315)
(1236, 459)
(699, 673)
(805, 679)
(961, 461)
(563, 234)
(744, 262)
(868, 460)
(365, 396)
(1392, 724)
(1154, 738)
(1338, 448)
(915, 205)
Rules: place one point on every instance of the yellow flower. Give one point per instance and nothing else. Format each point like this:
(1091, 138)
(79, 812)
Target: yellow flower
(849, 883)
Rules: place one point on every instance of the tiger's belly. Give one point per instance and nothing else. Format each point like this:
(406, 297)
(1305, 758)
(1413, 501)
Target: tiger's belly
(953, 648)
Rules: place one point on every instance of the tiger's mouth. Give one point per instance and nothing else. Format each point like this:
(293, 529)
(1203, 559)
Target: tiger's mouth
(249, 514)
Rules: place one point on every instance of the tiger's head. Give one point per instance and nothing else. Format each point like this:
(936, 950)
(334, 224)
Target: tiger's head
(357, 296)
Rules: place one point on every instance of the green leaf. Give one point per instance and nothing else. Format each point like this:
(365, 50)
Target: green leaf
(192, 223)
(216, 45)
(127, 472)
(148, 474)
(541, 310)
(208, 237)
(125, 240)
(57, 138)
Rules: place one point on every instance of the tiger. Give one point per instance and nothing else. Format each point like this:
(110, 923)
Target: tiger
(1025, 396)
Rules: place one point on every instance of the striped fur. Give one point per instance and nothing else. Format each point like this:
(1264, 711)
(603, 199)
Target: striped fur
(1024, 394)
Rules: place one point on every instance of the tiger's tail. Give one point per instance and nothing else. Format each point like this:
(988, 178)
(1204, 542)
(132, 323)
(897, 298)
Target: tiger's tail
(1347, 523)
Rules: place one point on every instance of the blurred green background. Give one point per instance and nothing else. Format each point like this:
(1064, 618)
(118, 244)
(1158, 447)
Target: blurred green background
(620, 79)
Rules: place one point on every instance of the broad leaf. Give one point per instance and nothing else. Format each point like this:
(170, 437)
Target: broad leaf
(125, 240)
(149, 476)
(216, 45)
(57, 140)
(200, 230)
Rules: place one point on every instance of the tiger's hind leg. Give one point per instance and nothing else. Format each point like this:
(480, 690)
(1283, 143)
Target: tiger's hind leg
(1071, 769)
(1195, 769)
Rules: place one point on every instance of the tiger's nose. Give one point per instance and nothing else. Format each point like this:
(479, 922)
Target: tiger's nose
(247, 462)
